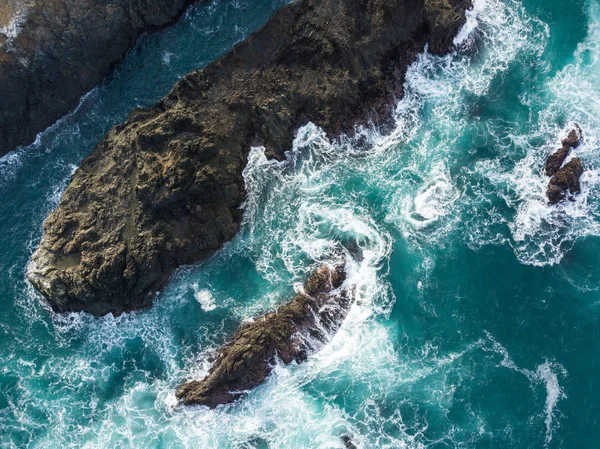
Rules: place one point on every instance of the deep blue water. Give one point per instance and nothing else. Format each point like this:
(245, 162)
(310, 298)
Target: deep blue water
(477, 321)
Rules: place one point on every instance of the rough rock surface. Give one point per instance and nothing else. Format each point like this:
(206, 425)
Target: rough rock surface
(54, 51)
(443, 19)
(574, 138)
(556, 159)
(566, 180)
(164, 188)
(288, 334)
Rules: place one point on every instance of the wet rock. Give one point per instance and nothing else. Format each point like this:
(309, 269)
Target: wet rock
(287, 334)
(164, 188)
(443, 18)
(348, 444)
(255, 443)
(574, 138)
(555, 160)
(54, 51)
(565, 181)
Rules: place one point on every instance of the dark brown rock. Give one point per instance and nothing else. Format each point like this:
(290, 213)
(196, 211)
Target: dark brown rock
(288, 334)
(54, 51)
(556, 159)
(164, 188)
(566, 180)
(348, 444)
(574, 138)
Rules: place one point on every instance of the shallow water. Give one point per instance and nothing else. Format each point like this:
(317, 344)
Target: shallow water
(477, 319)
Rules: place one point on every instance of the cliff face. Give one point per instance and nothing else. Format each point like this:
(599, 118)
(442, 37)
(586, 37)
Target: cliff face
(54, 51)
(164, 188)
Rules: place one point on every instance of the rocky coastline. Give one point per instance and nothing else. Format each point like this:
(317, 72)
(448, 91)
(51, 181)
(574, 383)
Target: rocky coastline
(54, 51)
(164, 188)
(289, 334)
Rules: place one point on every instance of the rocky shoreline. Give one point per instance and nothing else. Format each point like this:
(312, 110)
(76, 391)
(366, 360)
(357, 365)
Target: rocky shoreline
(164, 188)
(54, 51)
(289, 334)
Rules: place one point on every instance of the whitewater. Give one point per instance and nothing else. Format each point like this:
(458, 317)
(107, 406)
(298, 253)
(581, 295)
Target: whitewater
(477, 317)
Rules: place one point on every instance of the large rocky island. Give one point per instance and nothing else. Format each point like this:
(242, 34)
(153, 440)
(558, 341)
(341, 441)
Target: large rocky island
(54, 51)
(164, 188)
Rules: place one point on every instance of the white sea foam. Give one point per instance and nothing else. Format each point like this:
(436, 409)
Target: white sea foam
(205, 298)
(546, 373)
(472, 22)
(553, 394)
(167, 57)
(9, 165)
(433, 200)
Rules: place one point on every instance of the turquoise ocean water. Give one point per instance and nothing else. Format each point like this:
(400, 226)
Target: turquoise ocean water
(477, 322)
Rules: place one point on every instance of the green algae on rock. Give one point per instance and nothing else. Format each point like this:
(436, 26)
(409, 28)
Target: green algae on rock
(287, 334)
(164, 188)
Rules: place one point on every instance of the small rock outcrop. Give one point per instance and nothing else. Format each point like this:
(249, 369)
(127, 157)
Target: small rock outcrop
(556, 159)
(564, 179)
(54, 51)
(288, 334)
(348, 444)
(164, 188)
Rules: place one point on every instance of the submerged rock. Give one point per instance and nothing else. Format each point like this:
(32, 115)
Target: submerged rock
(54, 51)
(556, 159)
(255, 443)
(164, 188)
(287, 334)
(565, 180)
(348, 444)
